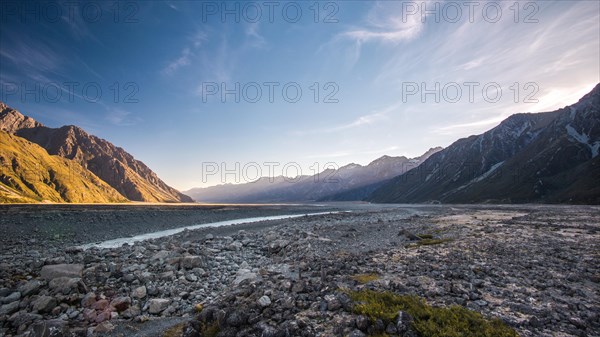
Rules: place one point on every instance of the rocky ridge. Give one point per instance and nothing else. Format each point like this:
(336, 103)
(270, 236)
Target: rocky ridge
(119, 169)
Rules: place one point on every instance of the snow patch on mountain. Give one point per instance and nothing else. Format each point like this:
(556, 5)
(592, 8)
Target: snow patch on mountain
(584, 139)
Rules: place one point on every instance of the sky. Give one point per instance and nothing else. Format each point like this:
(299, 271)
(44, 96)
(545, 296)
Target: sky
(210, 92)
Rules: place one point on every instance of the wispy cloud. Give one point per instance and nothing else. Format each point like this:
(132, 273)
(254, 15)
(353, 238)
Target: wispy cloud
(386, 22)
(120, 117)
(255, 39)
(365, 120)
(182, 61)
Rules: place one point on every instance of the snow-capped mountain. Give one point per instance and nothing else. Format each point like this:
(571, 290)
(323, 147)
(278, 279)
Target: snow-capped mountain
(542, 157)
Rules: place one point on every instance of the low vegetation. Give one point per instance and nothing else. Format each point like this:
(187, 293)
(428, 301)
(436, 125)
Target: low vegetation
(429, 242)
(365, 278)
(175, 331)
(430, 321)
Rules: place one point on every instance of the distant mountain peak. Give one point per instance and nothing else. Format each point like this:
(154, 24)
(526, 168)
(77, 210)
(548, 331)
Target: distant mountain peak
(119, 169)
(529, 157)
(12, 120)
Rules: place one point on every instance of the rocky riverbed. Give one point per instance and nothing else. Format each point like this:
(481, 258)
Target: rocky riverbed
(536, 268)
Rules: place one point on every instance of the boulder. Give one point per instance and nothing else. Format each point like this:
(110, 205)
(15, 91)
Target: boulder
(158, 305)
(50, 272)
(44, 304)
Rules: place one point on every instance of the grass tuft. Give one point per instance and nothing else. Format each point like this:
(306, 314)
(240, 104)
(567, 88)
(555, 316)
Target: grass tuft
(365, 278)
(174, 331)
(428, 321)
(211, 330)
(428, 242)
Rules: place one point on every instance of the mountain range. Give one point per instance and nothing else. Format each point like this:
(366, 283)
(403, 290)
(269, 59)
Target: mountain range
(349, 182)
(549, 157)
(86, 156)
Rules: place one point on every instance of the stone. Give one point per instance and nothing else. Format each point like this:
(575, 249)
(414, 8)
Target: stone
(139, 292)
(362, 322)
(50, 272)
(104, 327)
(244, 274)
(209, 237)
(15, 296)
(10, 308)
(30, 288)
(333, 303)
(481, 303)
(88, 300)
(191, 262)
(44, 304)
(191, 277)
(101, 304)
(50, 328)
(103, 316)
(391, 329)
(89, 315)
(236, 319)
(158, 305)
(131, 312)
(264, 301)
(357, 333)
(403, 322)
(24, 318)
(121, 303)
(163, 254)
(64, 285)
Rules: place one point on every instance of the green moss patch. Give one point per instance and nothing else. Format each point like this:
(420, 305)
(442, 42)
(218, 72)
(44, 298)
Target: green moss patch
(365, 278)
(428, 321)
(429, 242)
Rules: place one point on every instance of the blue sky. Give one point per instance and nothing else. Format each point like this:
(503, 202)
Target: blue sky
(161, 67)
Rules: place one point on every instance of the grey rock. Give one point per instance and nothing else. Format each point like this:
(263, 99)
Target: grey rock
(10, 308)
(481, 303)
(15, 296)
(158, 305)
(49, 328)
(139, 292)
(64, 285)
(24, 318)
(244, 274)
(357, 333)
(332, 302)
(191, 262)
(163, 254)
(121, 303)
(362, 322)
(44, 304)
(131, 312)
(403, 322)
(30, 288)
(236, 319)
(88, 300)
(61, 270)
(264, 301)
